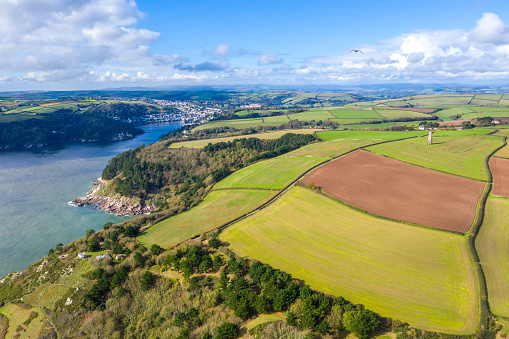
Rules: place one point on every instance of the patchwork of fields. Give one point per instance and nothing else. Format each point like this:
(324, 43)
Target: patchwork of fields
(421, 276)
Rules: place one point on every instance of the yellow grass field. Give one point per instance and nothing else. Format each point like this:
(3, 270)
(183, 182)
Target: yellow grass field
(215, 210)
(420, 276)
(492, 244)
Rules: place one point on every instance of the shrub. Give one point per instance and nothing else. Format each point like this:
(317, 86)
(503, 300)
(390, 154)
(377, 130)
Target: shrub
(227, 331)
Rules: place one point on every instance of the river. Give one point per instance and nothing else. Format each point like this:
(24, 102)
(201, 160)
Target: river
(36, 186)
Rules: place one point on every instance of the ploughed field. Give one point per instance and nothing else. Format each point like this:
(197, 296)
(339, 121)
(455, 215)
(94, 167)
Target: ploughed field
(400, 191)
(500, 170)
(421, 276)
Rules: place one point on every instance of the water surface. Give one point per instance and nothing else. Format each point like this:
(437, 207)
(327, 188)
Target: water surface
(35, 188)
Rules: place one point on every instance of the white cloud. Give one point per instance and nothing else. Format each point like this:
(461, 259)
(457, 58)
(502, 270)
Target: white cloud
(269, 59)
(178, 76)
(482, 53)
(221, 50)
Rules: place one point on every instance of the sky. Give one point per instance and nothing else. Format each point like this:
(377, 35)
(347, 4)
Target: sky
(96, 44)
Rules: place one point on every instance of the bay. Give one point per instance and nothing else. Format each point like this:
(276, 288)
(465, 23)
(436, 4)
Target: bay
(36, 186)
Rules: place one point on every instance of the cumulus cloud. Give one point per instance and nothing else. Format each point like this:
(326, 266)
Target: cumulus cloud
(482, 53)
(269, 59)
(221, 50)
(46, 40)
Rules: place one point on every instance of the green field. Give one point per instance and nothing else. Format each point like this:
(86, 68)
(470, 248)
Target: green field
(378, 135)
(463, 156)
(245, 123)
(347, 123)
(420, 276)
(463, 132)
(331, 148)
(394, 113)
(269, 135)
(493, 114)
(311, 115)
(355, 114)
(259, 111)
(215, 210)
(367, 126)
(446, 114)
(273, 173)
(492, 244)
(17, 315)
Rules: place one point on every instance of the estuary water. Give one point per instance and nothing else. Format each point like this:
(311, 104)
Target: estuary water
(36, 186)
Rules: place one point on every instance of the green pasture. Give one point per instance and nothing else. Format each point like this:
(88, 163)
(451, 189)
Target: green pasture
(463, 132)
(236, 123)
(357, 126)
(446, 114)
(217, 209)
(348, 122)
(463, 156)
(380, 135)
(437, 101)
(273, 173)
(18, 315)
(420, 276)
(331, 148)
(269, 135)
(311, 115)
(492, 97)
(277, 120)
(490, 109)
(356, 114)
(394, 114)
(492, 244)
(493, 114)
(259, 111)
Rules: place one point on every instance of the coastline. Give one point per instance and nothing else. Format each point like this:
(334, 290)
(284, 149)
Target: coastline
(119, 207)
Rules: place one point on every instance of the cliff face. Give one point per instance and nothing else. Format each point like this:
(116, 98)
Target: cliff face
(121, 206)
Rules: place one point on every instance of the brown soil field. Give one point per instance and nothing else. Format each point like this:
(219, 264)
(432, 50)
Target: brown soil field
(500, 169)
(400, 191)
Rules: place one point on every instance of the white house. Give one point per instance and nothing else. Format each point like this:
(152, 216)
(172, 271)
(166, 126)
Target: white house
(82, 255)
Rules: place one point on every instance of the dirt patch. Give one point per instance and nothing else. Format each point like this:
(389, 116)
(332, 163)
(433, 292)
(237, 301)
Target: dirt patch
(452, 123)
(500, 169)
(400, 191)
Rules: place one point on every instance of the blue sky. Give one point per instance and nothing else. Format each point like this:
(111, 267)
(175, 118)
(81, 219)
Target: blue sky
(88, 44)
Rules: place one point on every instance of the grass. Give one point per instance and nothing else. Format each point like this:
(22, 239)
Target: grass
(420, 276)
(215, 210)
(393, 114)
(245, 123)
(330, 148)
(17, 315)
(270, 135)
(355, 114)
(463, 132)
(367, 126)
(311, 115)
(348, 122)
(264, 318)
(496, 114)
(463, 156)
(273, 173)
(446, 114)
(492, 243)
(380, 135)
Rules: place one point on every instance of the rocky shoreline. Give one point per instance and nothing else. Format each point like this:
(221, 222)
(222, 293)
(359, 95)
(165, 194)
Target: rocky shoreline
(111, 205)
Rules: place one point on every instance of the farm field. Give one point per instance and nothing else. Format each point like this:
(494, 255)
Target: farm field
(215, 210)
(400, 191)
(343, 250)
(273, 173)
(347, 122)
(358, 126)
(269, 135)
(311, 115)
(494, 114)
(492, 243)
(463, 132)
(330, 148)
(446, 114)
(259, 111)
(245, 123)
(380, 135)
(463, 156)
(355, 114)
(500, 169)
(394, 113)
